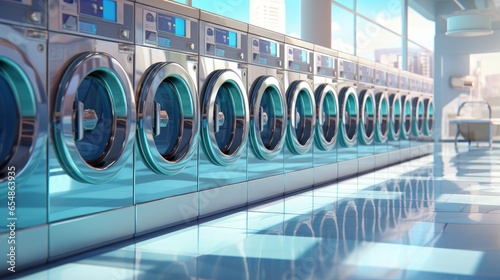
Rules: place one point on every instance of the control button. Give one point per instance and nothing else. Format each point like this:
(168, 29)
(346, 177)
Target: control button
(35, 17)
(124, 33)
(280, 63)
(310, 69)
(241, 55)
(191, 46)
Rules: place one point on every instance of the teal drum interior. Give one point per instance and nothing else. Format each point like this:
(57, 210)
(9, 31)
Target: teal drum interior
(349, 115)
(328, 118)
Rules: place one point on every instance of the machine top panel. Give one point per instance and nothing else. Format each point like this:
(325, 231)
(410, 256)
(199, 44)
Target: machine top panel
(163, 29)
(299, 43)
(327, 51)
(107, 19)
(267, 52)
(298, 59)
(174, 8)
(223, 21)
(261, 32)
(223, 42)
(24, 12)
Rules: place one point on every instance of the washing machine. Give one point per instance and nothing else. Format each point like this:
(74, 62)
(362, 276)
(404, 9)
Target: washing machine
(407, 114)
(367, 115)
(396, 116)
(347, 151)
(268, 114)
(427, 86)
(299, 172)
(327, 115)
(382, 116)
(23, 130)
(418, 120)
(165, 79)
(92, 124)
(225, 116)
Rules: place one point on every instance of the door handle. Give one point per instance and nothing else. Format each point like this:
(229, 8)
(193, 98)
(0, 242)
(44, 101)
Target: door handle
(263, 119)
(83, 119)
(160, 119)
(219, 118)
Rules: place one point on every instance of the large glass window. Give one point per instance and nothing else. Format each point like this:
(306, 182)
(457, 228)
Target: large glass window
(420, 29)
(376, 43)
(269, 14)
(348, 3)
(342, 29)
(419, 60)
(293, 17)
(385, 13)
(235, 9)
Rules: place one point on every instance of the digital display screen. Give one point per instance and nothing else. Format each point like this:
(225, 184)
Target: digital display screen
(300, 55)
(267, 47)
(326, 61)
(173, 25)
(105, 9)
(226, 37)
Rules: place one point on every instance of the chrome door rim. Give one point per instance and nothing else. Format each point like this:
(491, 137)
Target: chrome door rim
(214, 82)
(185, 90)
(429, 116)
(367, 124)
(323, 92)
(418, 118)
(271, 85)
(293, 92)
(395, 117)
(406, 124)
(28, 90)
(381, 128)
(120, 92)
(348, 94)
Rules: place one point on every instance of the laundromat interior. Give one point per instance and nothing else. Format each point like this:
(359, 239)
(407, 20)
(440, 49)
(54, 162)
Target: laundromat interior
(249, 139)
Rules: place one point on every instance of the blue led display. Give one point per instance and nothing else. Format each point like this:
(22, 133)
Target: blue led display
(109, 10)
(226, 37)
(267, 47)
(105, 9)
(173, 25)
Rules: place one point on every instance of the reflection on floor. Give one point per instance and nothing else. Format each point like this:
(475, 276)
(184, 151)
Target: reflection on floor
(436, 217)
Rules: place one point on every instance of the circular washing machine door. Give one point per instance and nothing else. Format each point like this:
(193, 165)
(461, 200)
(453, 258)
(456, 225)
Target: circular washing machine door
(418, 117)
(224, 117)
(23, 110)
(168, 118)
(407, 118)
(348, 102)
(268, 114)
(429, 116)
(367, 110)
(382, 123)
(94, 118)
(395, 117)
(327, 124)
(301, 117)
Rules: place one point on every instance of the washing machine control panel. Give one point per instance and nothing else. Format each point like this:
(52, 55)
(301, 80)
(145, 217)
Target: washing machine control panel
(416, 85)
(347, 70)
(325, 65)
(366, 74)
(404, 82)
(167, 30)
(107, 19)
(223, 42)
(266, 52)
(380, 78)
(24, 12)
(392, 80)
(299, 59)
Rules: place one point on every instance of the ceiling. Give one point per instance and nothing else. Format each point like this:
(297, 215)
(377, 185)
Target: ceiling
(435, 9)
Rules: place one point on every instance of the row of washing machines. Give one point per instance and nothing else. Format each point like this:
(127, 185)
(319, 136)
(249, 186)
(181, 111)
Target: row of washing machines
(118, 118)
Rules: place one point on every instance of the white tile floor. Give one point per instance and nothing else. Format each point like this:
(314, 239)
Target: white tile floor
(436, 217)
